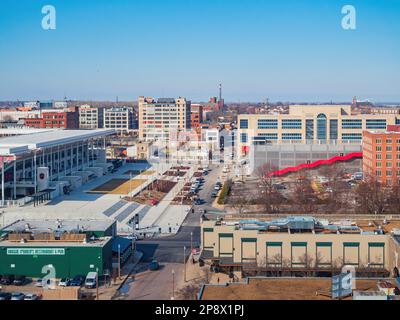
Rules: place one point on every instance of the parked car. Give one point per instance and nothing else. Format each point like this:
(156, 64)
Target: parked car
(217, 187)
(17, 296)
(154, 265)
(64, 282)
(77, 281)
(91, 280)
(19, 281)
(7, 279)
(31, 296)
(39, 283)
(214, 194)
(5, 296)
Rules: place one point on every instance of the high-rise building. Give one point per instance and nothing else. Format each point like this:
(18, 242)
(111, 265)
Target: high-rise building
(121, 119)
(157, 119)
(381, 155)
(317, 124)
(91, 117)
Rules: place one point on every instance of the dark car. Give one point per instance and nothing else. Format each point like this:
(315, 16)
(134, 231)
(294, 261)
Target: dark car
(214, 194)
(5, 296)
(7, 279)
(77, 281)
(154, 265)
(19, 280)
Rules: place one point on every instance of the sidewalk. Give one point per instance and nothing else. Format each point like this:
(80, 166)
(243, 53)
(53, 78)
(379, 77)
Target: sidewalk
(107, 293)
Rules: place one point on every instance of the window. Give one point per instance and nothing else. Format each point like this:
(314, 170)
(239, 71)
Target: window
(351, 124)
(378, 148)
(310, 129)
(291, 136)
(388, 164)
(291, 124)
(389, 173)
(376, 123)
(352, 136)
(268, 136)
(244, 123)
(321, 127)
(333, 129)
(243, 137)
(378, 173)
(389, 156)
(378, 141)
(379, 164)
(388, 148)
(267, 124)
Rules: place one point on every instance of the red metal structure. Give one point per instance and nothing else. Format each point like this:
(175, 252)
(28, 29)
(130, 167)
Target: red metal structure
(350, 156)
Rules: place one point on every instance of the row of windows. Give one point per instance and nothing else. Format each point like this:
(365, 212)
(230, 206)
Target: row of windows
(388, 141)
(291, 136)
(267, 124)
(351, 124)
(291, 124)
(351, 136)
(388, 156)
(297, 123)
(388, 164)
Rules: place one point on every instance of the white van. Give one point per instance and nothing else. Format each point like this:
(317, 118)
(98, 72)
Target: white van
(91, 280)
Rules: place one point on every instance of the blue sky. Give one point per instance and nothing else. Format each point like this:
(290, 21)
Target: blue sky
(278, 49)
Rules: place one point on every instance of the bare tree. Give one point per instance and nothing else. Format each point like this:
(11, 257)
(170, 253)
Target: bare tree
(371, 196)
(269, 196)
(304, 197)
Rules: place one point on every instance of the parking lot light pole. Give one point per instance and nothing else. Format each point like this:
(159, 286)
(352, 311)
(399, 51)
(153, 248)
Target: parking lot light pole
(191, 242)
(173, 284)
(119, 261)
(97, 283)
(184, 263)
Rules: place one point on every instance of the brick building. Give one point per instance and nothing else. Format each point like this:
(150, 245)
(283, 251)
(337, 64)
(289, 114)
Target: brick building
(65, 119)
(381, 155)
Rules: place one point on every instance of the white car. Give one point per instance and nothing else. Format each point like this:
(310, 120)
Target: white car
(31, 296)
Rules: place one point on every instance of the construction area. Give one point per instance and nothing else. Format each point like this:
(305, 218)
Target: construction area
(280, 289)
(154, 192)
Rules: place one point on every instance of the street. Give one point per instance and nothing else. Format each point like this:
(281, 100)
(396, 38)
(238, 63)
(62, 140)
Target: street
(169, 252)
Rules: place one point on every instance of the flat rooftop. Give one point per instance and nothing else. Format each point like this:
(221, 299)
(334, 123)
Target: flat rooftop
(29, 142)
(280, 289)
(100, 242)
(59, 225)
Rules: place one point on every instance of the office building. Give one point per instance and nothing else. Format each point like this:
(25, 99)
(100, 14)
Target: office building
(196, 115)
(122, 119)
(91, 117)
(315, 124)
(381, 155)
(57, 119)
(158, 119)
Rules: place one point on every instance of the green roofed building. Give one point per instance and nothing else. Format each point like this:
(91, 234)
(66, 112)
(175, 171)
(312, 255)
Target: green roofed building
(72, 247)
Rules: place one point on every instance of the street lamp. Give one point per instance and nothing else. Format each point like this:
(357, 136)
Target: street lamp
(119, 261)
(191, 242)
(97, 283)
(173, 285)
(184, 263)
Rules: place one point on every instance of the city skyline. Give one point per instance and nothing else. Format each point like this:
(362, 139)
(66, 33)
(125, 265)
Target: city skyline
(280, 51)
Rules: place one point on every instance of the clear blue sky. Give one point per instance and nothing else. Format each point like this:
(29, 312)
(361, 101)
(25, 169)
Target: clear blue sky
(281, 49)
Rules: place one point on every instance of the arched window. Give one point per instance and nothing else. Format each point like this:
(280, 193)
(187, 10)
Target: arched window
(321, 126)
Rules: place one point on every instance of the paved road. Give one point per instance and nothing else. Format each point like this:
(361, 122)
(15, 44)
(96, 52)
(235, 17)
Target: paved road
(153, 285)
(170, 248)
(169, 251)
